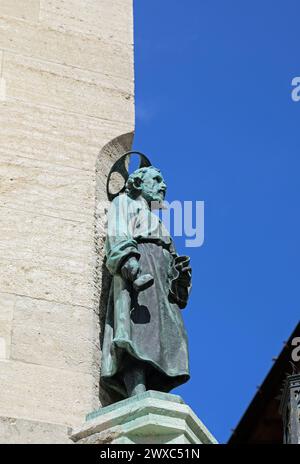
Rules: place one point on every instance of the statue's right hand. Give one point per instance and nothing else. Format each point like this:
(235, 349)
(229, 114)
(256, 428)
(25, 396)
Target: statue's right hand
(130, 269)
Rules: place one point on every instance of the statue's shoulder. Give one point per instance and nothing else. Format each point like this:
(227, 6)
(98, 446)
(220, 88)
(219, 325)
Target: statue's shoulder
(125, 203)
(122, 198)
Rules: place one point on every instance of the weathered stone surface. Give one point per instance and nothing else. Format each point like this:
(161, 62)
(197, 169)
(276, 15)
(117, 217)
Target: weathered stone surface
(39, 281)
(66, 337)
(7, 304)
(66, 114)
(49, 134)
(42, 393)
(2, 80)
(45, 255)
(20, 431)
(33, 185)
(43, 247)
(62, 87)
(5, 339)
(2, 89)
(46, 258)
(75, 49)
(151, 417)
(25, 9)
(116, 23)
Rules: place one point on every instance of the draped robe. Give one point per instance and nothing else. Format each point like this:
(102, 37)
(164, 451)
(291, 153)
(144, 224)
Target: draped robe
(145, 325)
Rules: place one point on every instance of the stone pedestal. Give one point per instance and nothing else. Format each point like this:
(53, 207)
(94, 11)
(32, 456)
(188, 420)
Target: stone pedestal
(151, 417)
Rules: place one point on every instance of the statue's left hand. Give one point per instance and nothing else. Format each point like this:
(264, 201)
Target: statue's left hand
(182, 265)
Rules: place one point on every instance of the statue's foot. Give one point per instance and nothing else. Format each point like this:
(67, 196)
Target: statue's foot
(138, 390)
(135, 378)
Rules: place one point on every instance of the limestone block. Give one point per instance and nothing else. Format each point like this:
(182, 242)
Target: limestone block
(2, 89)
(42, 393)
(71, 89)
(37, 258)
(108, 19)
(151, 417)
(5, 339)
(2, 80)
(45, 240)
(7, 304)
(38, 281)
(67, 139)
(25, 9)
(65, 337)
(33, 185)
(20, 431)
(111, 59)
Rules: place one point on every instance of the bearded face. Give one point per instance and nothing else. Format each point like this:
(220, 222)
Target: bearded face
(153, 186)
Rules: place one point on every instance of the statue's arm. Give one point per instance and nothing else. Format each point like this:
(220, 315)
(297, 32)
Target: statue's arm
(120, 246)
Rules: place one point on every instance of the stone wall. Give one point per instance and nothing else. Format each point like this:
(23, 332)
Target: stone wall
(66, 106)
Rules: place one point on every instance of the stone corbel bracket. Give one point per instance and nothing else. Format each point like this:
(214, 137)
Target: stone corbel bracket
(149, 418)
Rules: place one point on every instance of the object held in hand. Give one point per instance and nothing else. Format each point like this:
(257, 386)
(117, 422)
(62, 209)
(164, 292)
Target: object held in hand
(143, 282)
(182, 271)
(180, 281)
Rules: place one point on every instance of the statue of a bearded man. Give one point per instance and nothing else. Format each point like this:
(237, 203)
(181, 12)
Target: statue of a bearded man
(145, 342)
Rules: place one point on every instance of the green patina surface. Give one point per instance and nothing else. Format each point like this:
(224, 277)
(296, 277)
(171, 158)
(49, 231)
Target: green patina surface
(149, 417)
(145, 344)
(134, 399)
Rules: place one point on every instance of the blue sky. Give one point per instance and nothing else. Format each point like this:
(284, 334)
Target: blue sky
(214, 112)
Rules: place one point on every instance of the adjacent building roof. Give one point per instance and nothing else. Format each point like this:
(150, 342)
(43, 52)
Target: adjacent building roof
(262, 422)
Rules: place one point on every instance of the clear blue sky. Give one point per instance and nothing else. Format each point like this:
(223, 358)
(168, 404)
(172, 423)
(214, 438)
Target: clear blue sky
(214, 112)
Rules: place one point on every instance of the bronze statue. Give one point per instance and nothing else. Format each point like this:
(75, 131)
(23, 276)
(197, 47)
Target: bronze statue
(145, 343)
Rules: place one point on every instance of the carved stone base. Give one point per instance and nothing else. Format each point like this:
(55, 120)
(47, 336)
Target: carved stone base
(151, 417)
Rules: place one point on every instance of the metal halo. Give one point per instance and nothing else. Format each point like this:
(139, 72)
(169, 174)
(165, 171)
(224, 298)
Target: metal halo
(120, 168)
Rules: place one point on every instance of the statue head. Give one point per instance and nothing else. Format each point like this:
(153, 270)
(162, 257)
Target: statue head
(147, 182)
